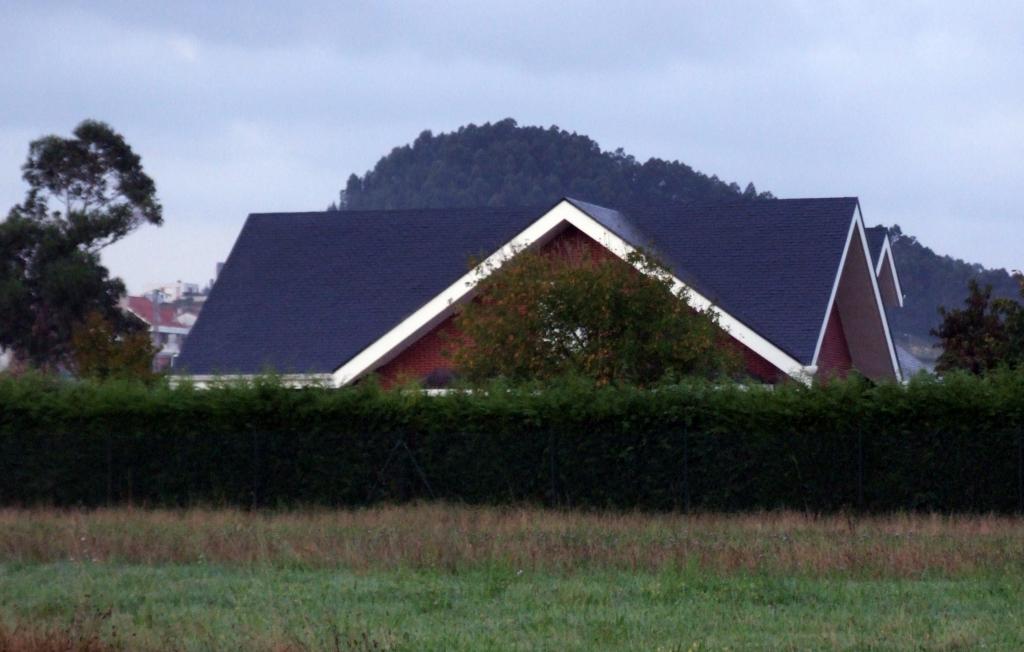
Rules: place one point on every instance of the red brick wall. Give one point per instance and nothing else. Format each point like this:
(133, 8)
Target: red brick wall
(758, 367)
(426, 355)
(887, 286)
(573, 244)
(834, 359)
(861, 321)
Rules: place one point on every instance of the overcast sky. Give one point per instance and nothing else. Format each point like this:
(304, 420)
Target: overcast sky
(918, 109)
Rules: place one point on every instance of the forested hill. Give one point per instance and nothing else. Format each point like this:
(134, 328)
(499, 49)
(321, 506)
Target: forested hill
(503, 164)
(929, 281)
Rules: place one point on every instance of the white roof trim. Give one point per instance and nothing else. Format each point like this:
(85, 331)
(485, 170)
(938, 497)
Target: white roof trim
(178, 330)
(563, 212)
(859, 217)
(206, 381)
(857, 226)
(886, 254)
(835, 289)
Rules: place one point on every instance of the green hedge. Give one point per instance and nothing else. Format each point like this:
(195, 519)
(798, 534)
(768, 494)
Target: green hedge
(954, 445)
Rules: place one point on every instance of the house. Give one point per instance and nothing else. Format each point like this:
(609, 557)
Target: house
(179, 291)
(800, 285)
(168, 327)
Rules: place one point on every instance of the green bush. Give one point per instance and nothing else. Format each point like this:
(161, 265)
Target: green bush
(950, 445)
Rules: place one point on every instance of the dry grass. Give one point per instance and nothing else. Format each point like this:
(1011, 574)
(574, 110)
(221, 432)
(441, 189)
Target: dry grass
(89, 635)
(452, 538)
(79, 636)
(55, 640)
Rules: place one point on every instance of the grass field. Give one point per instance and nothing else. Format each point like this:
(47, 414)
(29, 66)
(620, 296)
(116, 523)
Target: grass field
(445, 577)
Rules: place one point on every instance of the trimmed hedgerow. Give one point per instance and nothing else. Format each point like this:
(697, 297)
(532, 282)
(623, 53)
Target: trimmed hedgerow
(950, 445)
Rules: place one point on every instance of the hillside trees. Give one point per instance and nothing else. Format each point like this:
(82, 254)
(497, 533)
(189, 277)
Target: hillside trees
(85, 193)
(503, 164)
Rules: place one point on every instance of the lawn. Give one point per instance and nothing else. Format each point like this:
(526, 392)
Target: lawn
(446, 577)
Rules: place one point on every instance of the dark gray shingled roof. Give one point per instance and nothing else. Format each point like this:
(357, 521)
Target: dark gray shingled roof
(305, 292)
(771, 263)
(876, 240)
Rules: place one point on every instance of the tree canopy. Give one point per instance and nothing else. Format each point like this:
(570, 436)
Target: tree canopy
(100, 352)
(543, 317)
(85, 192)
(987, 333)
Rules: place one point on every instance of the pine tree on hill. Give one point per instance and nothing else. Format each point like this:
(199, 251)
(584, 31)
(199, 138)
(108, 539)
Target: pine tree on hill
(503, 164)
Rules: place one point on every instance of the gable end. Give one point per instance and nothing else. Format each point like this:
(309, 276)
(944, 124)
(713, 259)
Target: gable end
(442, 306)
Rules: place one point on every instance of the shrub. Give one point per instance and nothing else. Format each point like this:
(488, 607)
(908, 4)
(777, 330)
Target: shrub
(952, 445)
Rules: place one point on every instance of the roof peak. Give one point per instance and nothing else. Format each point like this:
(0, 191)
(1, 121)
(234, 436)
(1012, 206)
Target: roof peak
(400, 211)
(579, 203)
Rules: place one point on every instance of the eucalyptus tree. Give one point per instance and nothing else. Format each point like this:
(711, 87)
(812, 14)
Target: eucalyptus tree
(84, 193)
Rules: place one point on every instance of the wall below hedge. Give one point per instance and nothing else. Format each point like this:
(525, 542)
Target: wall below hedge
(956, 445)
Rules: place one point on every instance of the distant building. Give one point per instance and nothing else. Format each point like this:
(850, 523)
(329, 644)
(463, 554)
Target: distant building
(179, 291)
(168, 325)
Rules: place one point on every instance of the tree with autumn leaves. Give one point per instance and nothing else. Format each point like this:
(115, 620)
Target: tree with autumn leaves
(542, 317)
(100, 352)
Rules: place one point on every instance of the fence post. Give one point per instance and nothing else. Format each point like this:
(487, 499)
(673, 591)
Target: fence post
(419, 470)
(860, 468)
(1020, 469)
(553, 469)
(110, 467)
(686, 470)
(255, 468)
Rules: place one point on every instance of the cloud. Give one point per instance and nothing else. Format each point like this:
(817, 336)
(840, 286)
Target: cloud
(185, 47)
(916, 109)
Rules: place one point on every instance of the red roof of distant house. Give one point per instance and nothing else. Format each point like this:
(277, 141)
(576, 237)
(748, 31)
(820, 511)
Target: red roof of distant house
(143, 308)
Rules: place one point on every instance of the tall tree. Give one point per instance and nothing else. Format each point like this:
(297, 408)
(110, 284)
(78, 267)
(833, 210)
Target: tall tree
(85, 193)
(1015, 326)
